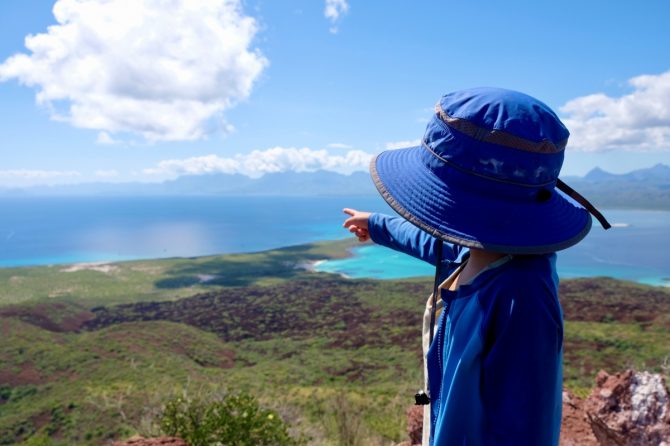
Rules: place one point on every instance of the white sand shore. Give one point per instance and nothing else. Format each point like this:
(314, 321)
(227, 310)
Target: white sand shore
(310, 265)
(206, 277)
(102, 267)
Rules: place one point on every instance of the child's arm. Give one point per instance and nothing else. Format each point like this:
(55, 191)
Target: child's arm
(521, 376)
(397, 233)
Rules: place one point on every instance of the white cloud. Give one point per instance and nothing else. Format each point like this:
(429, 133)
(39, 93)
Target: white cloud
(28, 174)
(335, 9)
(111, 173)
(393, 145)
(638, 121)
(166, 70)
(260, 162)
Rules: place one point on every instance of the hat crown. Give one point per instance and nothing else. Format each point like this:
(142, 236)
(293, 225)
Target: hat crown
(502, 134)
(508, 111)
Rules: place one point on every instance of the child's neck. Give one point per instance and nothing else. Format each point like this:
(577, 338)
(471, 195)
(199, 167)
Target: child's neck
(479, 259)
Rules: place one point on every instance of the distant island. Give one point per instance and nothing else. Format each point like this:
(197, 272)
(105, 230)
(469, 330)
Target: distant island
(647, 188)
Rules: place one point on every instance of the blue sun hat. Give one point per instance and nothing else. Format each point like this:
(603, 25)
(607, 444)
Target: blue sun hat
(486, 176)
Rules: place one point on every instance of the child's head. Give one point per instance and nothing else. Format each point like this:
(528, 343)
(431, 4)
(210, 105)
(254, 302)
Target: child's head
(485, 175)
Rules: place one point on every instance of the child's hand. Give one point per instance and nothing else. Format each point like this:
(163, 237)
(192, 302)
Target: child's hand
(357, 223)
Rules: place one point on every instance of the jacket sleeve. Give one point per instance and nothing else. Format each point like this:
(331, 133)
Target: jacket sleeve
(401, 235)
(521, 367)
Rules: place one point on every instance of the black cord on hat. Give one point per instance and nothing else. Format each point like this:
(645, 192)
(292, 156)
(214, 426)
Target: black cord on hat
(570, 192)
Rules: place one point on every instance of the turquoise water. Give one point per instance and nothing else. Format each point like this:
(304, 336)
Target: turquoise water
(43, 231)
(377, 262)
(635, 249)
(57, 230)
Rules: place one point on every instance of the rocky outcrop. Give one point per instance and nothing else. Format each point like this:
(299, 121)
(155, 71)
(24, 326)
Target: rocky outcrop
(625, 409)
(575, 428)
(629, 409)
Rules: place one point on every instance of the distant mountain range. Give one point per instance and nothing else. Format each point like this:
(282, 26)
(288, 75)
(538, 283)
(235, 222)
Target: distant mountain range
(643, 189)
(285, 183)
(640, 189)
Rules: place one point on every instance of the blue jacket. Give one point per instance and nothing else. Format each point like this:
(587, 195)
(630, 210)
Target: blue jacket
(495, 364)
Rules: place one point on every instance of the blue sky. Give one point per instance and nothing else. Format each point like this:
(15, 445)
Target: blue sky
(148, 90)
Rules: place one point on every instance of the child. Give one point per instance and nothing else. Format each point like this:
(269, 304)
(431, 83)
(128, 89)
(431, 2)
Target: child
(479, 200)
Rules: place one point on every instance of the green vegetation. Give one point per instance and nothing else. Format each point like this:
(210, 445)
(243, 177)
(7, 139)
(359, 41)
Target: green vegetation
(613, 325)
(86, 388)
(593, 346)
(233, 420)
(164, 279)
(338, 360)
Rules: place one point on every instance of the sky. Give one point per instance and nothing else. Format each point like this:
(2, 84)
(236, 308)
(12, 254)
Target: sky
(147, 90)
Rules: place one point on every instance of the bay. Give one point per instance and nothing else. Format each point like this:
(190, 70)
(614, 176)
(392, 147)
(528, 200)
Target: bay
(55, 230)
(635, 248)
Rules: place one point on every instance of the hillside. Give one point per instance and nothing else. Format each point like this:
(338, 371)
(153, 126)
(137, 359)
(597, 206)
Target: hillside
(89, 387)
(87, 367)
(608, 322)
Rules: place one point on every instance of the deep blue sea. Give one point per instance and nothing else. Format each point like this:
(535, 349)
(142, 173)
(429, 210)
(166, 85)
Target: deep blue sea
(43, 231)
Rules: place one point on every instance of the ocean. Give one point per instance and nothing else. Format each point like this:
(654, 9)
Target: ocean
(57, 230)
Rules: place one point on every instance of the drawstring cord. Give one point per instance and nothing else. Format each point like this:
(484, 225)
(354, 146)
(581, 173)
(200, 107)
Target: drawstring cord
(436, 284)
(422, 397)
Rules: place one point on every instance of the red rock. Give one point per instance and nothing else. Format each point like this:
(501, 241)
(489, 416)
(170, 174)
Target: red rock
(626, 409)
(575, 428)
(630, 408)
(415, 425)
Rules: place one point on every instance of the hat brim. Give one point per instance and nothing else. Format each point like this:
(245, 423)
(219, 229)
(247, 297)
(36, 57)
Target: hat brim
(476, 212)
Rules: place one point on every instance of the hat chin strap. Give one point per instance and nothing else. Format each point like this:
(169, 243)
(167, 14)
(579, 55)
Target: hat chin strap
(436, 283)
(570, 192)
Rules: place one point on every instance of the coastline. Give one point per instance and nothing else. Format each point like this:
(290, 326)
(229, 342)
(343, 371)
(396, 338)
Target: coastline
(152, 280)
(629, 251)
(345, 258)
(375, 262)
(311, 265)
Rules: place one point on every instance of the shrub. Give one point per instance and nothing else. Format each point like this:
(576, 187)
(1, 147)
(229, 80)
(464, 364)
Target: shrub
(235, 420)
(343, 419)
